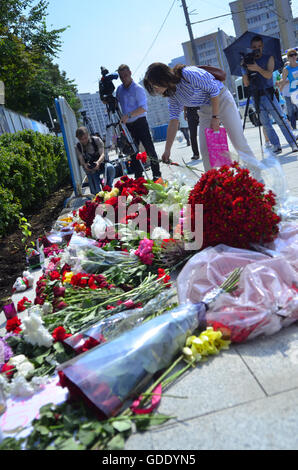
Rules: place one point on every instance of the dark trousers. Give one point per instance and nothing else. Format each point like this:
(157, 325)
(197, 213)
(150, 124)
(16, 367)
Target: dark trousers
(185, 132)
(140, 132)
(193, 122)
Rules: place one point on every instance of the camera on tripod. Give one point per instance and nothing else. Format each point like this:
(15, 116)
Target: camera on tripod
(124, 141)
(106, 86)
(250, 57)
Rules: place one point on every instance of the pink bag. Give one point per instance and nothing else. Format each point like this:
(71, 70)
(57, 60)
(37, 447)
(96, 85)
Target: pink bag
(217, 144)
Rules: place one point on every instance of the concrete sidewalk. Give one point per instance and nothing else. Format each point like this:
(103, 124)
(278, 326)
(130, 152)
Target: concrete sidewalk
(245, 398)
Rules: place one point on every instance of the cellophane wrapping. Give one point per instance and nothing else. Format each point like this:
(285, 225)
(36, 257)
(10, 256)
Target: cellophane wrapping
(115, 325)
(115, 372)
(265, 301)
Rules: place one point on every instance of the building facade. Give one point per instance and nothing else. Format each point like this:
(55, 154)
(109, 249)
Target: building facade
(95, 111)
(210, 51)
(269, 17)
(296, 31)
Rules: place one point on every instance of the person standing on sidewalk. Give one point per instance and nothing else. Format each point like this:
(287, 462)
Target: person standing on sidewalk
(192, 117)
(183, 127)
(191, 86)
(290, 73)
(263, 92)
(133, 102)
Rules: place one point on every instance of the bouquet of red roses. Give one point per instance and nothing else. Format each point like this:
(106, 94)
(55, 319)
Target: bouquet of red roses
(236, 209)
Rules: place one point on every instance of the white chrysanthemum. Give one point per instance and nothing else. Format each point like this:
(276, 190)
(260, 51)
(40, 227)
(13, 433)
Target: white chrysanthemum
(184, 194)
(47, 308)
(19, 387)
(35, 333)
(39, 382)
(99, 227)
(37, 309)
(23, 366)
(159, 234)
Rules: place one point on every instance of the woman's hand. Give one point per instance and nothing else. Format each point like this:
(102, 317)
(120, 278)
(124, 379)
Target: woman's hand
(166, 157)
(215, 124)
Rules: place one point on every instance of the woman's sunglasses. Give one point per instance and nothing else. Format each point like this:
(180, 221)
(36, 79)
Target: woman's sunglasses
(293, 55)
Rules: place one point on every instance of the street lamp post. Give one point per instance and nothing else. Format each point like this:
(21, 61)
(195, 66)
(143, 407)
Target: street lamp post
(192, 41)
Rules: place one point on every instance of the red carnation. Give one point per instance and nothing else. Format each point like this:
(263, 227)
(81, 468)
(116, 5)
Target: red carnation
(58, 291)
(13, 324)
(87, 212)
(59, 334)
(236, 209)
(142, 157)
(8, 370)
(21, 306)
(54, 275)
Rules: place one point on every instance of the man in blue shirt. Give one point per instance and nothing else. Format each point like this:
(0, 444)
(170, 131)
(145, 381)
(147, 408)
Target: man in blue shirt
(133, 102)
(259, 78)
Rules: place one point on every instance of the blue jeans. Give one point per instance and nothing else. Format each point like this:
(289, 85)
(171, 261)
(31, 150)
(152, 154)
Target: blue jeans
(267, 108)
(94, 182)
(110, 170)
(291, 109)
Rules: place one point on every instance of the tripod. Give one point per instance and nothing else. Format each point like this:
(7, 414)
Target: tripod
(87, 122)
(256, 96)
(115, 127)
(257, 106)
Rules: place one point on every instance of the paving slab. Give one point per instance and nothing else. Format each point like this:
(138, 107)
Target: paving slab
(266, 424)
(211, 386)
(273, 360)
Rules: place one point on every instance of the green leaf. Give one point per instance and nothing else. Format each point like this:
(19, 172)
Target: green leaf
(122, 425)
(70, 444)
(86, 437)
(117, 443)
(42, 430)
(147, 421)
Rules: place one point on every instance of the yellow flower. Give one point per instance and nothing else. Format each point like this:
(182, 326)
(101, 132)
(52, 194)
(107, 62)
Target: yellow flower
(209, 342)
(67, 277)
(190, 355)
(115, 191)
(107, 195)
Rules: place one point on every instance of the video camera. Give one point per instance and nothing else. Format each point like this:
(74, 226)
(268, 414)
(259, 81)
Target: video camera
(250, 57)
(106, 86)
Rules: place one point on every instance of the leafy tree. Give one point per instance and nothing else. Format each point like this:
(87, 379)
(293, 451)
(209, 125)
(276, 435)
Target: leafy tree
(27, 48)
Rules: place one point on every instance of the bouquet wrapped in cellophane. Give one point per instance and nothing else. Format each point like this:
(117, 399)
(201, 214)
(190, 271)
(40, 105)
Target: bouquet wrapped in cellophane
(114, 373)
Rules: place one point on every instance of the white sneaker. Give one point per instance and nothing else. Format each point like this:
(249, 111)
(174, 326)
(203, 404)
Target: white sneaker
(267, 145)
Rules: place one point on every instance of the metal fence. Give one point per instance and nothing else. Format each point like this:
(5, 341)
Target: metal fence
(12, 122)
(68, 124)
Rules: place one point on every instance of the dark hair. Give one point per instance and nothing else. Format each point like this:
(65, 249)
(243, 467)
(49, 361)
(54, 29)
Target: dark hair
(256, 38)
(81, 131)
(162, 75)
(122, 67)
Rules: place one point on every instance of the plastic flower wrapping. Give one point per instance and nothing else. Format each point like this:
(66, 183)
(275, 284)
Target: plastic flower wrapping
(116, 372)
(83, 255)
(266, 299)
(119, 323)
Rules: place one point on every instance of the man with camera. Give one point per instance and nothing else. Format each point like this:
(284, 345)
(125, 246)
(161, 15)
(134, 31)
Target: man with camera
(258, 70)
(133, 102)
(90, 153)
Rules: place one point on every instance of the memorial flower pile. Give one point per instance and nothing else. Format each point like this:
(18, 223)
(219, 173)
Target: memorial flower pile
(110, 301)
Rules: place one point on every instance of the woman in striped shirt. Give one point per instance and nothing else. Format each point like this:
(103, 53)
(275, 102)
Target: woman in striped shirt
(192, 86)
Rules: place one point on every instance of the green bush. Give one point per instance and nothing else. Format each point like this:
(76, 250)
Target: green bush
(9, 210)
(32, 166)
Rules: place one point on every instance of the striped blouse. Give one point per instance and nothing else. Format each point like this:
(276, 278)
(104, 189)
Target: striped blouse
(196, 90)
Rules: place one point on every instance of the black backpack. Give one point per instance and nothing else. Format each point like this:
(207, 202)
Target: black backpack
(87, 157)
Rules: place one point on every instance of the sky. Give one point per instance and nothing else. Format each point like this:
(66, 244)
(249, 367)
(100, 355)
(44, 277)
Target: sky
(112, 32)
